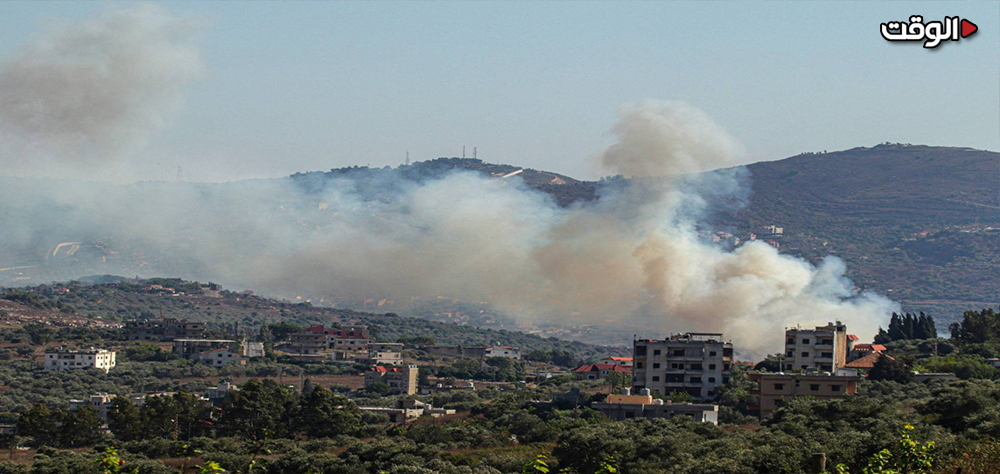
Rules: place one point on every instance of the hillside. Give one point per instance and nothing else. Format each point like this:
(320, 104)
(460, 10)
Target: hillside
(82, 304)
(920, 224)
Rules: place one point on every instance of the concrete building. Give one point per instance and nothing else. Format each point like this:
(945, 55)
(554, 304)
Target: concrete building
(308, 343)
(773, 388)
(694, 363)
(407, 409)
(188, 348)
(218, 357)
(253, 349)
(599, 371)
(86, 359)
(622, 361)
(163, 329)
(627, 406)
(382, 353)
(501, 351)
(350, 339)
(401, 380)
(100, 401)
(823, 349)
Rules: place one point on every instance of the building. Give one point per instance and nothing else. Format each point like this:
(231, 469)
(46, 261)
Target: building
(86, 359)
(218, 357)
(401, 380)
(860, 350)
(382, 353)
(221, 392)
(694, 363)
(187, 348)
(599, 371)
(824, 348)
(101, 402)
(502, 351)
(406, 409)
(163, 329)
(627, 406)
(623, 361)
(773, 388)
(307, 343)
(351, 339)
(253, 349)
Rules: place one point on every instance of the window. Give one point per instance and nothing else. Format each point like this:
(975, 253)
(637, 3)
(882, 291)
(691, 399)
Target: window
(640, 350)
(805, 354)
(814, 387)
(779, 386)
(695, 367)
(656, 352)
(638, 365)
(676, 366)
(805, 341)
(711, 366)
(656, 378)
(835, 388)
(790, 342)
(711, 379)
(712, 354)
(630, 414)
(725, 379)
(826, 354)
(656, 366)
(678, 353)
(711, 393)
(790, 354)
(695, 380)
(725, 366)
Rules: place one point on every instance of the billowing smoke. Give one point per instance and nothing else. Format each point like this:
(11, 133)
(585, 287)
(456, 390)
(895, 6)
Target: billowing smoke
(636, 257)
(658, 138)
(86, 95)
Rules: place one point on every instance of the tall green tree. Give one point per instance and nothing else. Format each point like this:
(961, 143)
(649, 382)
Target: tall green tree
(259, 410)
(324, 414)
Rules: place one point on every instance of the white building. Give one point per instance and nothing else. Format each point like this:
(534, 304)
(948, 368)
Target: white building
(86, 359)
(502, 351)
(219, 357)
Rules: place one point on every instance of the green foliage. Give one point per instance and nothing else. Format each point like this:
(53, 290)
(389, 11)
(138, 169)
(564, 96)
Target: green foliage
(887, 368)
(907, 457)
(964, 366)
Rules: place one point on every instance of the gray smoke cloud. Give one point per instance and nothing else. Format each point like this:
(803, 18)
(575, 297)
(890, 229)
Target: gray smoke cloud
(88, 95)
(635, 257)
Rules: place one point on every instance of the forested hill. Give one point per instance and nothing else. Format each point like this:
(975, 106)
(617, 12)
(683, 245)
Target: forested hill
(120, 299)
(918, 223)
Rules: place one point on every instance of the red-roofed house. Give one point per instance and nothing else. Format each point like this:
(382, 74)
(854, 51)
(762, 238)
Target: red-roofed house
(867, 361)
(616, 360)
(599, 371)
(861, 350)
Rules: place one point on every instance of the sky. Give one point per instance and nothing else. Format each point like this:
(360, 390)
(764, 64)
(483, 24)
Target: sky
(300, 86)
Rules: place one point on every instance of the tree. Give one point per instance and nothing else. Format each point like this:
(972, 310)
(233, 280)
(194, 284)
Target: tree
(618, 380)
(80, 427)
(41, 424)
(258, 410)
(125, 421)
(887, 368)
(324, 414)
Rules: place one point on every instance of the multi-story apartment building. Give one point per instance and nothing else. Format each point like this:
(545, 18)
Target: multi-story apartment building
(401, 380)
(307, 343)
(824, 348)
(351, 339)
(87, 359)
(694, 363)
(189, 348)
(163, 329)
(772, 388)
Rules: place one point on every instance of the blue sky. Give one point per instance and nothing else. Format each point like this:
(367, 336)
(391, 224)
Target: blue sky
(295, 86)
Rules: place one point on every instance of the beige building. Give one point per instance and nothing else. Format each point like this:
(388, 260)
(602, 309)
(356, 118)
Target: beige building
(627, 406)
(823, 349)
(100, 401)
(382, 353)
(219, 357)
(694, 363)
(401, 380)
(773, 388)
(308, 343)
(86, 359)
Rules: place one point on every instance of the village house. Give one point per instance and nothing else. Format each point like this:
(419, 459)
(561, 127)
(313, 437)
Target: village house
(774, 388)
(599, 371)
(400, 380)
(60, 359)
(218, 357)
(860, 350)
(407, 409)
(382, 353)
(617, 360)
(101, 402)
(350, 339)
(627, 406)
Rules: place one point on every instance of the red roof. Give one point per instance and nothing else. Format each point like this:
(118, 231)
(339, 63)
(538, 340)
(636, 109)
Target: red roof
(379, 368)
(852, 337)
(599, 367)
(867, 361)
(622, 359)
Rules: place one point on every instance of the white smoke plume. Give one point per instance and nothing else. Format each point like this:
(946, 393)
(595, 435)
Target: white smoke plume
(632, 258)
(88, 95)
